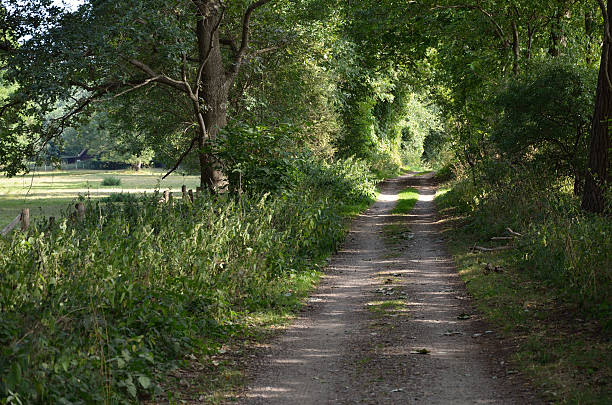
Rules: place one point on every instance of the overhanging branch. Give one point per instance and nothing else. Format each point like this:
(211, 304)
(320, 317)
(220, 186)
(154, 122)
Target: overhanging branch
(498, 28)
(177, 84)
(244, 44)
(180, 159)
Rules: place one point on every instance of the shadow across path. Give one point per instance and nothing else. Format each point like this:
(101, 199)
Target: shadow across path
(383, 327)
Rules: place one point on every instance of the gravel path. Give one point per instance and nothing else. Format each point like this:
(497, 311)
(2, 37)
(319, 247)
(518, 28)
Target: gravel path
(390, 292)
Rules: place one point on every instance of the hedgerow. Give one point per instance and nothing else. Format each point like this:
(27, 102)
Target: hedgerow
(97, 310)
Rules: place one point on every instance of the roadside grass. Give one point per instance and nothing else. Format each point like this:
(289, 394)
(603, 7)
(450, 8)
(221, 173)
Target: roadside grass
(406, 200)
(225, 378)
(354, 208)
(50, 193)
(215, 378)
(564, 352)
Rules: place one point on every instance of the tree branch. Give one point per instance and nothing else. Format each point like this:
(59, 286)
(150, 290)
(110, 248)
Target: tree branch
(244, 44)
(498, 28)
(180, 159)
(263, 50)
(136, 86)
(177, 84)
(9, 105)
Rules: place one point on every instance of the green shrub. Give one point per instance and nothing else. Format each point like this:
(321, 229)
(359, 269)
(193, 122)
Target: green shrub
(97, 311)
(546, 116)
(121, 197)
(574, 253)
(445, 173)
(384, 164)
(257, 159)
(561, 246)
(110, 181)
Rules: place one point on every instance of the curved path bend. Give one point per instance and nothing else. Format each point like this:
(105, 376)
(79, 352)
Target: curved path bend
(391, 291)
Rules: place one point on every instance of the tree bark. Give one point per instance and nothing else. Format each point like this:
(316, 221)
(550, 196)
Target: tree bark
(597, 176)
(516, 50)
(214, 84)
(213, 93)
(556, 31)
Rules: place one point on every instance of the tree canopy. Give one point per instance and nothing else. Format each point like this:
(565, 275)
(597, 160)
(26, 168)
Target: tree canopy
(345, 74)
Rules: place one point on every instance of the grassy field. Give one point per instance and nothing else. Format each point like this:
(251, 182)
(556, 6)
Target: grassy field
(49, 193)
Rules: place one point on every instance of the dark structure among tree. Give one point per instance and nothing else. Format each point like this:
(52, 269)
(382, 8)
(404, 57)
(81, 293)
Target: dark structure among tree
(81, 157)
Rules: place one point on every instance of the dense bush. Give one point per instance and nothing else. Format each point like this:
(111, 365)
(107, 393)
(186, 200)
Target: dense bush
(545, 117)
(445, 173)
(257, 158)
(95, 311)
(111, 181)
(434, 145)
(561, 245)
(266, 159)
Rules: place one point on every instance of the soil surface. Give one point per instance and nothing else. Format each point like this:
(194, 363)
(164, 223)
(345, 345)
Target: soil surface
(391, 323)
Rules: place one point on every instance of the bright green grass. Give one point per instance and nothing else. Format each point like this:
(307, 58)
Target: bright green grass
(50, 193)
(407, 200)
(355, 208)
(413, 168)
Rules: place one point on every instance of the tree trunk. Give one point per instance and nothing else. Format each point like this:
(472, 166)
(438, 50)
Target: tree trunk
(589, 28)
(214, 94)
(530, 34)
(555, 35)
(597, 176)
(516, 50)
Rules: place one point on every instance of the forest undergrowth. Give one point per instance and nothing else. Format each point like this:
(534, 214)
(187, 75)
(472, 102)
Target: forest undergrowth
(100, 311)
(550, 290)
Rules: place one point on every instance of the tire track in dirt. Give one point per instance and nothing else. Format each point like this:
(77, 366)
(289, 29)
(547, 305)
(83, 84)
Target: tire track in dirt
(389, 292)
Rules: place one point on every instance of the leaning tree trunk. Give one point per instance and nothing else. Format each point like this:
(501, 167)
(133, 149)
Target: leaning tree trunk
(215, 96)
(598, 168)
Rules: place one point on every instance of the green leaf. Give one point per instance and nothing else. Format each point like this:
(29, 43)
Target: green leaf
(131, 388)
(144, 381)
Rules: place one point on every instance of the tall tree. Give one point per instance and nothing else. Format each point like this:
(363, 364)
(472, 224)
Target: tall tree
(187, 52)
(598, 166)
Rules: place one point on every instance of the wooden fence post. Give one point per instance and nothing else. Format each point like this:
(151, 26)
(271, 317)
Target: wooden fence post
(166, 196)
(184, 191)
(80, 209)
(25, 219)
(191, 195)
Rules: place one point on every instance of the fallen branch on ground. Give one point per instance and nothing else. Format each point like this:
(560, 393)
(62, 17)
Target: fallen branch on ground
(511, 232)
(486, 249)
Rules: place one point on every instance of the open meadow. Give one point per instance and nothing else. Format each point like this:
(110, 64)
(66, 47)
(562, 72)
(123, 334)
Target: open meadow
(49, 193)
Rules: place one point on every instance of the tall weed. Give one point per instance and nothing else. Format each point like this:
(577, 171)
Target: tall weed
(561, 245)
(96, 311)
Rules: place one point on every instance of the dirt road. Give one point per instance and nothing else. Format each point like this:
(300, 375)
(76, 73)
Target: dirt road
(390, 324)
